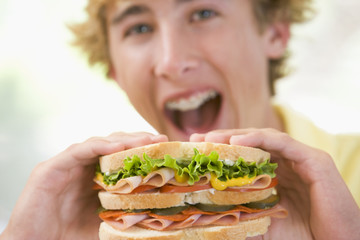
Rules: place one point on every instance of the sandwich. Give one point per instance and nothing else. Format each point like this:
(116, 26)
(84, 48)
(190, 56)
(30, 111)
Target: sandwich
(187, 190)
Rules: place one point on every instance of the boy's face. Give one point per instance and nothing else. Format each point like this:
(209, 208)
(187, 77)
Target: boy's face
(191, 65)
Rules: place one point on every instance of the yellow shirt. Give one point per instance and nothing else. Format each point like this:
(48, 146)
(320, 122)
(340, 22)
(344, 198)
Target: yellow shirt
(344, 148)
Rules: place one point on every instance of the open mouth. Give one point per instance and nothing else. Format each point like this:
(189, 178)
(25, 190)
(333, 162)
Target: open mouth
(197, 113)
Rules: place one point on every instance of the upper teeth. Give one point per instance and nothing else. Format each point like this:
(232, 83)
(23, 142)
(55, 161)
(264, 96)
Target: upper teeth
(193, 102)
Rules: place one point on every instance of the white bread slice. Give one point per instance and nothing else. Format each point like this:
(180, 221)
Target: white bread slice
(112, 201)
(183, 150)
(239, 231)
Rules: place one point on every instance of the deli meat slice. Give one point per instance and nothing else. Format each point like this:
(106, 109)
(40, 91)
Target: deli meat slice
(126, 221)
(165, 176)
(189, 222)
(218, 219)
(122, 220)
(126, 185)
(155, 224)
(275, 212)
(158, 178)
(204, 179)
(193, 220)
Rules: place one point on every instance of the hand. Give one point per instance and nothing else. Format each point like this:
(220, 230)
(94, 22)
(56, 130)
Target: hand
(310, 187)
(58, 201)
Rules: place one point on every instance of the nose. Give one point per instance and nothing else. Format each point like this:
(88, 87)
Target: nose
(175, 54)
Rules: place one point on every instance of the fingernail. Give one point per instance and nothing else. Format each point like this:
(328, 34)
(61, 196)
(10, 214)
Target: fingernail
(197, 137)
(159, 138)
(237, 139)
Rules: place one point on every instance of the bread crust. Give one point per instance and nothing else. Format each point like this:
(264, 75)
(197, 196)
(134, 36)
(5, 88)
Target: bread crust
(112, 201)
(239, 231)
(185, 150)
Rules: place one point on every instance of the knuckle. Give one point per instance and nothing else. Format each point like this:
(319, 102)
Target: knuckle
(91, 139)
(116, 134)
(143, 134)
(41, 170)
(284, 137)
(217, 131)
(272, 130)
(323, 156)
(258, 134)
(143, 139)
(217, 137)
(162, 137)
(95, 141)
(125, 135)
(72, 147)
(40, 167)
(213, 133)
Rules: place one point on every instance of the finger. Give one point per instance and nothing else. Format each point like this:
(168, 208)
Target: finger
(283, 146)
(159, 138)
(125, 137)
(132, 140)
(137, 139)
(197, 137)
(311, 166)
(218, 136)
(273, 141)
(86, 153)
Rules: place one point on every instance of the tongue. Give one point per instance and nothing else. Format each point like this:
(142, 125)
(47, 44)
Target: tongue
(198, 120)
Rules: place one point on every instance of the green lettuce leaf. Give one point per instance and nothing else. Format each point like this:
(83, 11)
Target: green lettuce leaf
(199, 165)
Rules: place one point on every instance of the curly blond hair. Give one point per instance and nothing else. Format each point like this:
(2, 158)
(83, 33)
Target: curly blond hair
(91, 35)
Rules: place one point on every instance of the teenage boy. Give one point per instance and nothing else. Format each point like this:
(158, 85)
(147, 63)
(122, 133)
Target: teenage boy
(198, 70)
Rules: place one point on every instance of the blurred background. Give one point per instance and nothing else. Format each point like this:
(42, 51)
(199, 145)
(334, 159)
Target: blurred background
(50, 98)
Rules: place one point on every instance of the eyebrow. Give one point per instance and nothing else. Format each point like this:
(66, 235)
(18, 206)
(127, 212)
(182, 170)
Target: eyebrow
(138, 9)
(132, 10)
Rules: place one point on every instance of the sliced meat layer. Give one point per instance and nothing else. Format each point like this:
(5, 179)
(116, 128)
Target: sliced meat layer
(188, 218)
(165, 176)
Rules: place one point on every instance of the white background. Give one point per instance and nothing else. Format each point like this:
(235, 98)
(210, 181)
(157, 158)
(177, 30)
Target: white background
(50, 98)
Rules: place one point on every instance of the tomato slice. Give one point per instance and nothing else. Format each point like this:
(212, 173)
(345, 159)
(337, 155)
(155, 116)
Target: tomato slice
(142, 188)
(181, 189)
(97, 187)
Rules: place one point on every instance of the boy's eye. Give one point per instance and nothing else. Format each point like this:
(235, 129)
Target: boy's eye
(203, 14)
(139, 29)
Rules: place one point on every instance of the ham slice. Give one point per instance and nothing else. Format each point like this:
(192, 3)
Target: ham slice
(126, 185)
(218, 219)
(155, 224)
(260, 182)
(189, 222)
(159, 178)
(126, 221)
(275, 212)
(165, 176)
(204, 179)
(194, 218)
